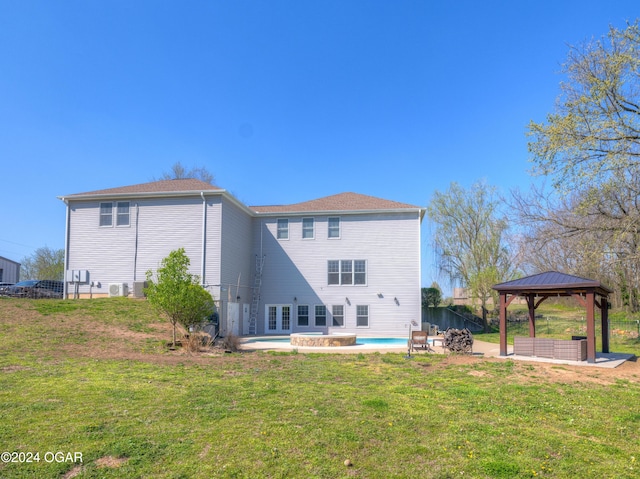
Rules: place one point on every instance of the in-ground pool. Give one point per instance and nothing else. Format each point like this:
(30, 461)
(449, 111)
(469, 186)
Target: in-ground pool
(360, 341)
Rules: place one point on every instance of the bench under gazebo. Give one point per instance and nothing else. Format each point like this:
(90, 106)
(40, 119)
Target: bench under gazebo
(537, 288)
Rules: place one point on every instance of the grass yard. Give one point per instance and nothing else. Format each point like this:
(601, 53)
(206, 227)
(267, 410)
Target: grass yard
(93, 377)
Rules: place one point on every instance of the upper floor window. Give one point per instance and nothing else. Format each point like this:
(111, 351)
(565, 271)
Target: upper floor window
(347, 271)
(122, 218)
(106, 214)
(307, 228)
(121, 212)
(334, 227)
(283, 229)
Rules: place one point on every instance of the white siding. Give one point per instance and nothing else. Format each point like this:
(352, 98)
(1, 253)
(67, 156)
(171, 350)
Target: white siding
(157, 227)
(235, 253)
(295, 270)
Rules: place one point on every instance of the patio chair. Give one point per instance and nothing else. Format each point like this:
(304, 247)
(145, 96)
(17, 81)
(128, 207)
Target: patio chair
(419, 341)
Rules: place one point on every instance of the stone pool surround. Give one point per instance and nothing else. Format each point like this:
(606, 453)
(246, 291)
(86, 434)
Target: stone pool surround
(322, 340)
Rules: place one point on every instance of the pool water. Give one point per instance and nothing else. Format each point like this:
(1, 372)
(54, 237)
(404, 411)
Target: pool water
(364, 341)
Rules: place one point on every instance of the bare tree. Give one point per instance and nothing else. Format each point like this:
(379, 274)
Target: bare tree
(178, 171)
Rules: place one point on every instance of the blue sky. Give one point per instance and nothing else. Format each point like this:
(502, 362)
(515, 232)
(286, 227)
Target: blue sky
(283, 101)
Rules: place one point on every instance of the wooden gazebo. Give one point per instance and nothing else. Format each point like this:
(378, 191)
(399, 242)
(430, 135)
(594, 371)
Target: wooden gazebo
(535, 289)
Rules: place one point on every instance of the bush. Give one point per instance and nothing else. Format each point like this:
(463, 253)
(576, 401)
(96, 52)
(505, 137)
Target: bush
(177, 293)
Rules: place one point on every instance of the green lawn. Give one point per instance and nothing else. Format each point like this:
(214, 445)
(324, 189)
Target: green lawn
(146, 412)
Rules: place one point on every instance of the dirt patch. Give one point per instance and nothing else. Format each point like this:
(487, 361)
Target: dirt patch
(110, 461)
(75, 471)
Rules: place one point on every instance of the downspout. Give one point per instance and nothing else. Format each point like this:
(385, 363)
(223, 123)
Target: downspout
(135, 249)
(204, 239)
(66, 251)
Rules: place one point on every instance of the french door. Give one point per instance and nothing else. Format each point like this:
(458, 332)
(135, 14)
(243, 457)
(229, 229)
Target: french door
(277, 319)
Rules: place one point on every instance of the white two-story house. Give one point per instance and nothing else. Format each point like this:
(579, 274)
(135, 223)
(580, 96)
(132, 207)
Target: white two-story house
(344, 263)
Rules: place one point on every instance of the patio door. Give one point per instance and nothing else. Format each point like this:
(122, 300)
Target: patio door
(277, 319)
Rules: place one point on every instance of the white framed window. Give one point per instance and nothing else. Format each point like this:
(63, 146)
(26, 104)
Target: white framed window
(120, 210)
(106, 214)
(320, 315)
(283, 229)
(308, 228)
(347, 272)
(334, 227)
(359, 272)
(122, 216)
(362, 316)
(333, 269)
(303, 315)
(337, 315)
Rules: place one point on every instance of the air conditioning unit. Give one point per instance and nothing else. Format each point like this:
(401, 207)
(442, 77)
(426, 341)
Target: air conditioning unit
(118, 289)
(138, 289)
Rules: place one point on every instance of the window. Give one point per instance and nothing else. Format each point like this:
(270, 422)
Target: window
(106, 214)
(362, 316)
(334, 228)
(347, 272)
(359, 272)
(121, 213)
(337, 314)
(273, 317)
(286, 318)
(321, 315)
(307, 228)
(122, 217)
(334, 272)
(303, 315)
(283, 229)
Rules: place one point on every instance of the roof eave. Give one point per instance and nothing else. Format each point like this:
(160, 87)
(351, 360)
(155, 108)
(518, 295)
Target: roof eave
(158, 194)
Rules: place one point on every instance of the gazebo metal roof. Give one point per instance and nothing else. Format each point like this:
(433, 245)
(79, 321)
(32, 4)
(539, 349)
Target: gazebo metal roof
(552, 283)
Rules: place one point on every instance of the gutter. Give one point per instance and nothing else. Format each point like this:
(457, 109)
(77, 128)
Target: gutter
(204, 240)
(66, 250)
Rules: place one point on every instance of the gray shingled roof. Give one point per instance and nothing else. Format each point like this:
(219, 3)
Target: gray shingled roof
(188, 185)
(339, 202)
(551, 281)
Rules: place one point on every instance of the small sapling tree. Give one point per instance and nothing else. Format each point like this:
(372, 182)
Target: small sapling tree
(177, 294)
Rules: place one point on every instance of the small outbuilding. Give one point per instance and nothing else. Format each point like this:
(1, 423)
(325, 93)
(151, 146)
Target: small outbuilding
(537, 288)
(9, 271)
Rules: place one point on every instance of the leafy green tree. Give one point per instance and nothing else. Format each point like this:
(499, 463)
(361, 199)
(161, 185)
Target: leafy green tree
(590, 148)
(595, 132)
(470, 239)
(177, 293)
(44, 263)
(431, 297)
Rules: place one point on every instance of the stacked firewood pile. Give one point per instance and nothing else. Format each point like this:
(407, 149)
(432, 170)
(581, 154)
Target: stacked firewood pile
(458, 340)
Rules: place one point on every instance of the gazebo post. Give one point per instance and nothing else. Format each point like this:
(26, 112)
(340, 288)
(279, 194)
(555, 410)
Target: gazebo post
(531, 298)
(503, 324)
(591, 327)
(604, 315)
